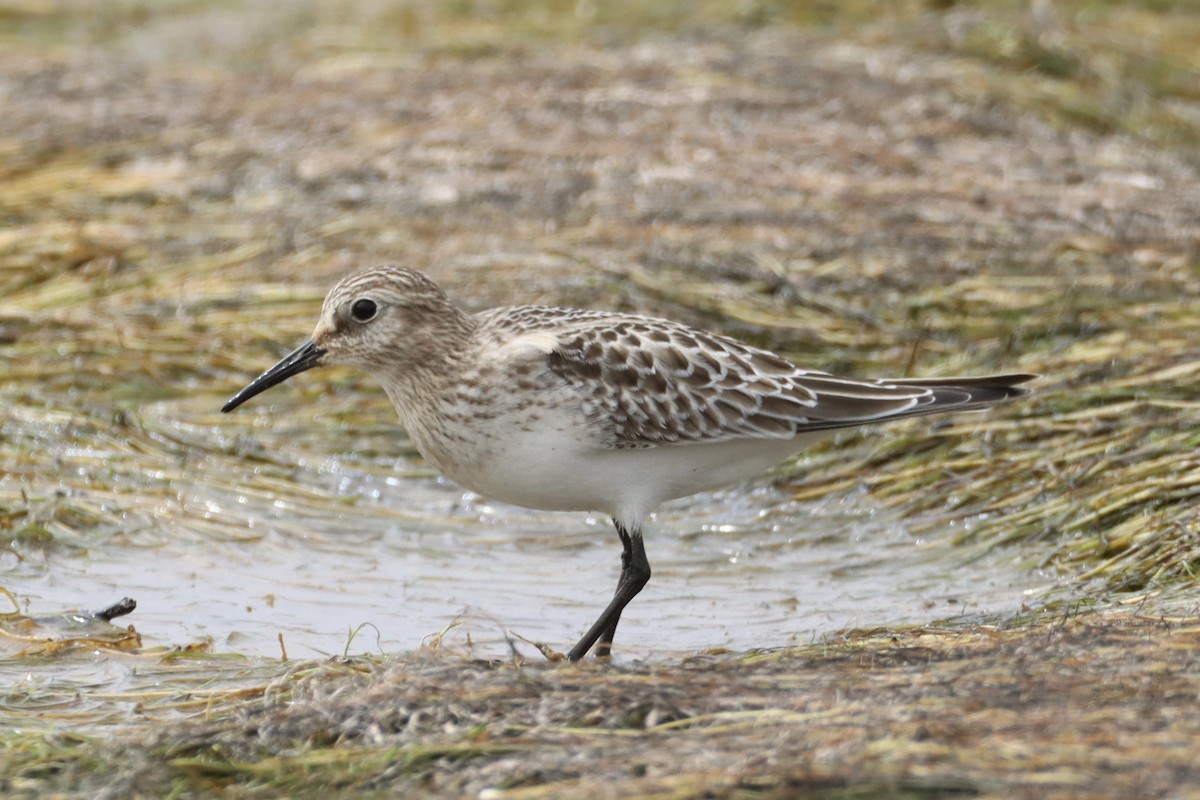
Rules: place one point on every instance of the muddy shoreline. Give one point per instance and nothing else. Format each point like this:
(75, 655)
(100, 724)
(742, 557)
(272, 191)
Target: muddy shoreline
(966, 190)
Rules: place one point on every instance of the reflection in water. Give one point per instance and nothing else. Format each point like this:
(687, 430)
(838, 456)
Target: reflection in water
(742, 569)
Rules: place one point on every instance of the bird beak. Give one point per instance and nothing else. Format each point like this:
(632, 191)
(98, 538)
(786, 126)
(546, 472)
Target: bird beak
(304, 357)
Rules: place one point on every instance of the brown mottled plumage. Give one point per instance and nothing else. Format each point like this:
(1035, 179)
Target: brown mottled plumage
(566, 409)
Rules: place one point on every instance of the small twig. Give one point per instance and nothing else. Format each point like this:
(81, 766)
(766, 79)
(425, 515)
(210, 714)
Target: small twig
(124, 606)
(550, 653)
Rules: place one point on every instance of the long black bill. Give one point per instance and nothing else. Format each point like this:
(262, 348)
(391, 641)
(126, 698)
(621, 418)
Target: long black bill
(306, 356)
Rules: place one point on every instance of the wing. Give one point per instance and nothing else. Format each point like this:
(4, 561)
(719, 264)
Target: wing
(648, 382)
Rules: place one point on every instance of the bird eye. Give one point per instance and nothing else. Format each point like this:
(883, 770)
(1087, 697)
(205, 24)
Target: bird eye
(364, 310)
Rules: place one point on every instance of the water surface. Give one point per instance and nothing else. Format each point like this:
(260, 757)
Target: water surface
(362, 550)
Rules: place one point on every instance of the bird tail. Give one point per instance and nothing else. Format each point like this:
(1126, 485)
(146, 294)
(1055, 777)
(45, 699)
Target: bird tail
(962, 394)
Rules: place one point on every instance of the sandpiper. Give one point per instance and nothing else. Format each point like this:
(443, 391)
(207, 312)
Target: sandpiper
(573, 410)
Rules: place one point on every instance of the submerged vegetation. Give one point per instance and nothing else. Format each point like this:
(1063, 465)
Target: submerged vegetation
(955, 187)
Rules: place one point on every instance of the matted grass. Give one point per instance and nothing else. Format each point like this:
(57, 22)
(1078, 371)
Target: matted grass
(957, 189)
(1072, 706)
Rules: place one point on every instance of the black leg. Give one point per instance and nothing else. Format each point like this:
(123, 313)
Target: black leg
(635, 572)
(604, 643)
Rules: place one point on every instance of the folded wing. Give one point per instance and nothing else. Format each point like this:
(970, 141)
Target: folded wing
(648, 383)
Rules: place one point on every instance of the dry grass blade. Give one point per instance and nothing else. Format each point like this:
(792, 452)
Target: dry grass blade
(929, 188)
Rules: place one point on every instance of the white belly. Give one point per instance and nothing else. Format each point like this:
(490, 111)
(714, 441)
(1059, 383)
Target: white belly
(536, 451)
(550, 469)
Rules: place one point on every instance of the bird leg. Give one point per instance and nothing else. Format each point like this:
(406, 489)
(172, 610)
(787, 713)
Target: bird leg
(635, 572)
(604, 644)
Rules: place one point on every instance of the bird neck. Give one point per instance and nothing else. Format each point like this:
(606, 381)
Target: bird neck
(433, 362)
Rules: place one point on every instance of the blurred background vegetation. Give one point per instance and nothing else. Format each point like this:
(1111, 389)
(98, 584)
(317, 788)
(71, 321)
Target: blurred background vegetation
(1109, 65)
(868, 187)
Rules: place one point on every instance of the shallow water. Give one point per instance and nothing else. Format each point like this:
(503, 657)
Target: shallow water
(315, 545)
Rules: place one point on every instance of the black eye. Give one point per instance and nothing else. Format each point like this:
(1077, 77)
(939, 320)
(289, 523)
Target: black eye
(364, 310)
